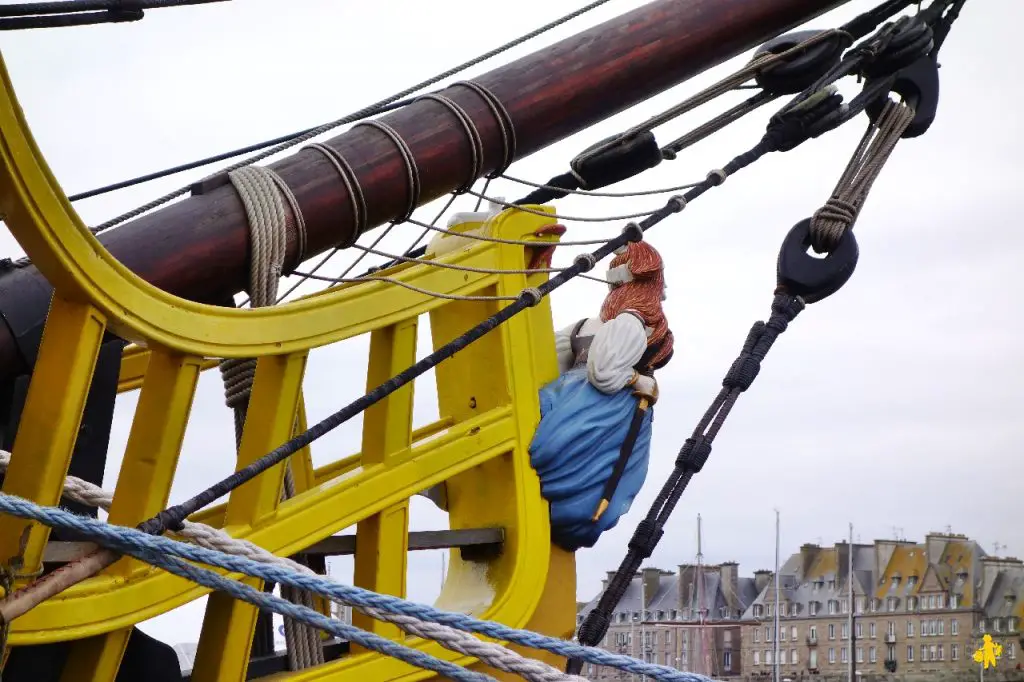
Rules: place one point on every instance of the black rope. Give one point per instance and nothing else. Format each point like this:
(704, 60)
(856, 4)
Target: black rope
(223, 156)
(372, 110)
(691, 459)
(81, 12)
(779, 135)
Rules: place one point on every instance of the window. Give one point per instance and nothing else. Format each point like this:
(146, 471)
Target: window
(860, 654)
(757, 634)
(768, 657)
(910, 628)
(1011, 651)
(846, 631)
(931, 601)
(871, 630)
(892, 628)
(770, 608)
(831, 584)
(812, 607)
(757, 658)
(812, 633)
(872, 655)
(832, 607)
(675, 614)
(912, 580)
(782, 634)
(940, 652)
(910, 654)
(924, 628)
(844, 606)
(858, 604)
(933, 652)
(954, 627)
(767, 634)
(758, 610)
(954, 652)
(895, 581)
(661, 615)
(997, 625)
(940, 600)
(954, 601)
(981, 625)
(794, 658)
(793, 633)
(858, 630)
(891, 650)
(942, 627)
(831, 631)
(924, 652)
(831, 655)
(874, 606)
(842, 655)
(726, 660)
(891, 603)
(932, 627)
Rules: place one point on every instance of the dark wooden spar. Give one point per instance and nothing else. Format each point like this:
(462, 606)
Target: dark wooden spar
(198, 248)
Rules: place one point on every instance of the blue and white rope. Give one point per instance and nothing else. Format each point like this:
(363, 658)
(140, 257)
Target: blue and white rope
(152, 549)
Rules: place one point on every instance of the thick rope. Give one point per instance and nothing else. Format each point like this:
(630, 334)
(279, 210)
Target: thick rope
(84, 492)
(831, 221)
(160, 551)
(263, 194)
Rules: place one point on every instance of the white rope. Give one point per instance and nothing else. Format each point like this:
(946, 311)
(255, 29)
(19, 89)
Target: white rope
(495, 655)
(263, 194)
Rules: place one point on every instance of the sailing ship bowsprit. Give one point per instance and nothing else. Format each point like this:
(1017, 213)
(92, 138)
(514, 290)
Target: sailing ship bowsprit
(99, 312)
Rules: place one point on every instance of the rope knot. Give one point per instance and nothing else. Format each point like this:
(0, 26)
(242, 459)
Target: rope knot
(717, 176)
(531, 296)
(633, 232)
(830, 222)
(585, 261)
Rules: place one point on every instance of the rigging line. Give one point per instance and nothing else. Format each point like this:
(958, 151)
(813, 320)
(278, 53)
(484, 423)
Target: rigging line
(517, 242)
(558, 216)
(461, 268)
(358, 115)
(172, 555)
(784, 133)
(406, 285)
(588, 193)
(78, 490)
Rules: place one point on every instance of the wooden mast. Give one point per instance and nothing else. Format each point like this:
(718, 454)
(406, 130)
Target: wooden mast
(198, 248)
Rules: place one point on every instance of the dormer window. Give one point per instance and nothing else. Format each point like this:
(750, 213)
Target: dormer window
(891, 603)
(875, 604)
(955, 600)
(758, 610)
(911, 603)
(661, 615)
(1012, 624)
(831, 584)
(961, 577)
(813, 608)
(675, 614)
(895, 582)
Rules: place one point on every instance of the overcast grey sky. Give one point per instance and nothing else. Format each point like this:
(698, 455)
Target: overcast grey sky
(894, 404)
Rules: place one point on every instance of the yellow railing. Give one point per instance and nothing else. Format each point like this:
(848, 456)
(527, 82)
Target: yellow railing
(487, 396)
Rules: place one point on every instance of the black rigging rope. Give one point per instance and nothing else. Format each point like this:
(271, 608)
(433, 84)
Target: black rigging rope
(384, 106)
(894, 47)
(67, 13)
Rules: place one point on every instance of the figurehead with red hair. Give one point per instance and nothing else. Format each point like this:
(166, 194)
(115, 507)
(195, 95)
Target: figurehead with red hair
(592, 446)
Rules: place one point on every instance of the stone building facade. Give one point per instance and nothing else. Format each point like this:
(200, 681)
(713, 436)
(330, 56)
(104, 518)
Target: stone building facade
(917, 608)
(658, 620)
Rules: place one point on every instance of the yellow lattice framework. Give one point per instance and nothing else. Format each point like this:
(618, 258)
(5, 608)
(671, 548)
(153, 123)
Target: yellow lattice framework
(487, 397)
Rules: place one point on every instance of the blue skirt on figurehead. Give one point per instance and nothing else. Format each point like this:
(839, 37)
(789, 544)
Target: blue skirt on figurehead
(591, 448)
(574, 451)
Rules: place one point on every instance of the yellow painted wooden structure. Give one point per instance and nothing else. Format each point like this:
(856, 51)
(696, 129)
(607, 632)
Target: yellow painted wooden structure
(487, 397)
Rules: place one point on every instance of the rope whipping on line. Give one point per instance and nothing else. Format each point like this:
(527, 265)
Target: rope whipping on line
(785, 65)
(902, 55)
(784, 132)
(75, 489)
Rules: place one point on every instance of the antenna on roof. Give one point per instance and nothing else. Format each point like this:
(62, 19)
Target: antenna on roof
(999, 547)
